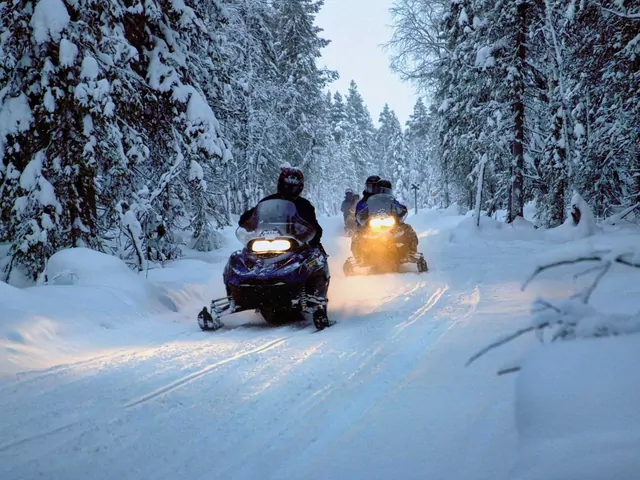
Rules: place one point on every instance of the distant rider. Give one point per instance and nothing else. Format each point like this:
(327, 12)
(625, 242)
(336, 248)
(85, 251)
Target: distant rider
(369, 189)
(348, 205)
(408, 236)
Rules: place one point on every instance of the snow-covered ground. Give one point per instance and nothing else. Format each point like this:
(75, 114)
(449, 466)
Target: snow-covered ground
(105, 374)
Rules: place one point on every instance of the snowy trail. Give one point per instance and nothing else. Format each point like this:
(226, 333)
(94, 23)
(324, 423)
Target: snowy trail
(383, 394)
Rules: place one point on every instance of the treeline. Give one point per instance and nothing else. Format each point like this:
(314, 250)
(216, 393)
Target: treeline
(126, 123)
(547, 91)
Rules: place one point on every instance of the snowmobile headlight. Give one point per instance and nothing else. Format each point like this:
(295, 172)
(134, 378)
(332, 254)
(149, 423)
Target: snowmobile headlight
(382, 222)
(270, 246)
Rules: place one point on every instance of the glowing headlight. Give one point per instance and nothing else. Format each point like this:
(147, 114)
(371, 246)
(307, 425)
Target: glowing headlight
(382, 222)
(268, 246)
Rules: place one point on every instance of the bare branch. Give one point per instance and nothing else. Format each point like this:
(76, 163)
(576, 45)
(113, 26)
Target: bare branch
(586, 272)
(629, 210)
(587, 294)
(501, 342)
(546, 306)
(506, 371)
(542, 268)
(627, 259)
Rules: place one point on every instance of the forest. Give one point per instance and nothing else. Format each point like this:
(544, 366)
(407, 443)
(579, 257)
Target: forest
(124, 124)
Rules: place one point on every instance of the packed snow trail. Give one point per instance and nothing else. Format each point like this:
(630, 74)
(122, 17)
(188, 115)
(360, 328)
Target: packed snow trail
(382, 394)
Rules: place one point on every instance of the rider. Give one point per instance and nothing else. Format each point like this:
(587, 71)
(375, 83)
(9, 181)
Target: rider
(348, 204)
(290, 186)
(381, 186)
(408, 237)
(369, 189)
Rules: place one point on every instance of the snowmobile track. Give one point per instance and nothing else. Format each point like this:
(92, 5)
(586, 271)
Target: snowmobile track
(195, 375)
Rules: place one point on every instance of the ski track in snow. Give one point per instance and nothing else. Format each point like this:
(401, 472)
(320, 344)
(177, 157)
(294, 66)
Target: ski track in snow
(382, 394)
(193, 376)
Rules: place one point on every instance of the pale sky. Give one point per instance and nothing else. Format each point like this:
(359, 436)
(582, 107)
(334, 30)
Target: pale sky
(357, 29)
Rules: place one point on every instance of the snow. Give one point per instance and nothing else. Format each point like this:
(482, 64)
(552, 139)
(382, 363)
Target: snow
(15, 115)
(579, 400)
(96, 91)
(68, 53)
(463, 18)
(195, 171)
(50, 18)
(31, 173)
(90, 69)
(49, 101)
(568, 230)
(87, 125)
(198, 110)
(484, 59)
(97, 360)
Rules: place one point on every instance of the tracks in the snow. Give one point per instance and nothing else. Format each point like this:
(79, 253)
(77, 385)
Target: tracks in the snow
(193, 376)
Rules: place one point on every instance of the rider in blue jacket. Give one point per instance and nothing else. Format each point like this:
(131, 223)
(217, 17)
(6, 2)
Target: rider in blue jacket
(376, 185)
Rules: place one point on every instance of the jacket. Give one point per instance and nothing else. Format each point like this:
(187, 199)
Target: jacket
(304, 208)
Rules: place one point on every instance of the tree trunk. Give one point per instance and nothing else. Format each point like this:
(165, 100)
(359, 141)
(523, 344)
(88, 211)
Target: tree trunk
(517, 177)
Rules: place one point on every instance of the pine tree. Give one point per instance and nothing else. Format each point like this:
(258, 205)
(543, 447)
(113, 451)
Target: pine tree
(421, 138)
(359, 134)
(299, 45)
(119, 98)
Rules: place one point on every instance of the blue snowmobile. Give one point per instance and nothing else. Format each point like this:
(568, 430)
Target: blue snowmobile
(276, 273)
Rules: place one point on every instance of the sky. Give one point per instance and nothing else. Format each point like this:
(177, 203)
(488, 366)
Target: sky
(357, 29)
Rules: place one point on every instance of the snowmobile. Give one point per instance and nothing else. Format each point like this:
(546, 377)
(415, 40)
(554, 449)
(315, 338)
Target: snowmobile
(380, 247)
(277, 273)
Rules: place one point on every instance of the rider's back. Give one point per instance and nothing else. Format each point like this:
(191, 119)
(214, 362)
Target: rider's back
(303, 206)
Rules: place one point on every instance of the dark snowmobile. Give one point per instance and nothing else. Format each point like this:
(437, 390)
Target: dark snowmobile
(382, 242)
(277, 272)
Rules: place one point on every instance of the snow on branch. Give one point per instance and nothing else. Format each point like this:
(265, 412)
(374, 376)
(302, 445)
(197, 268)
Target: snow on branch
(630, 16)
(573, 318)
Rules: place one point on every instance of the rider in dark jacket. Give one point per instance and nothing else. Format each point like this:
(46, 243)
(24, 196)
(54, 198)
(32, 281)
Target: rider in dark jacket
(348, 205)
(290, 185)
(369, 189)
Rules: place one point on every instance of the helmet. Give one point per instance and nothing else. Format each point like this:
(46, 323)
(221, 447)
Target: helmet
(370, 183)
(348, 190)
(290, 182)
(383, 186)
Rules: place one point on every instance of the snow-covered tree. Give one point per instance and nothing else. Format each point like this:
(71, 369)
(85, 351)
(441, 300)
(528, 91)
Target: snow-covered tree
(359, 134)
(113, 117)
(546, 89)
(391, 154)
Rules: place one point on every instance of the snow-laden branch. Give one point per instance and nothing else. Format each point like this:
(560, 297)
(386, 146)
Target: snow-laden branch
(630, 16)
(574, 318)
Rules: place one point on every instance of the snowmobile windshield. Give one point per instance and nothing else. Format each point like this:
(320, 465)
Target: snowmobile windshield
(275, 219)
(381, 205)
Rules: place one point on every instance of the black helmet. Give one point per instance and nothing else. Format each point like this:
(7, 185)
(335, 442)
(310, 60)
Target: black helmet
(383, 186)
(370, 183)
(290, 182)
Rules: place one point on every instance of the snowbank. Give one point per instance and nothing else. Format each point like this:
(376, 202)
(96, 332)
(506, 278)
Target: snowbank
(491, 229)
(87, 301)
(582, 226)
(454, 210)
(578, 411)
